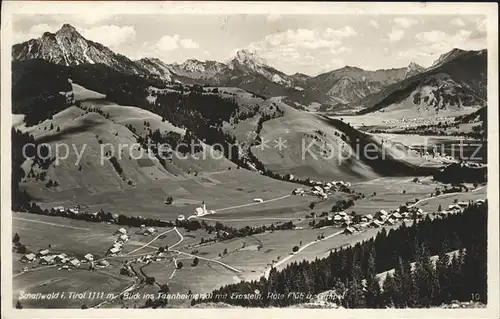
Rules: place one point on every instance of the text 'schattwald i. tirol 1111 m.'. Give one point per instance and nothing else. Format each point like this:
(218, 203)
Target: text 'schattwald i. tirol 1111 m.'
(183, 161)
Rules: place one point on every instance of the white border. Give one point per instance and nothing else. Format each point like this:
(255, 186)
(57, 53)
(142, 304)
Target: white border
(490, 10)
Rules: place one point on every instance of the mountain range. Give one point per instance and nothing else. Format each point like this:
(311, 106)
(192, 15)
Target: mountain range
(347, 86)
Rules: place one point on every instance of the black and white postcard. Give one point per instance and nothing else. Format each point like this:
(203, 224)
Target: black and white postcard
(249, 159)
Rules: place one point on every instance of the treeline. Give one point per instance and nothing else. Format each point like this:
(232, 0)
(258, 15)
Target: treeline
(457, 173)
(21, 199)
(225, 232)
(35, 90)
(351, 271)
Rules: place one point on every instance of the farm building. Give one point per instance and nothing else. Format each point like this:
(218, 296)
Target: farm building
(382, 213)
(42, 253)
(342, 214)
(298, 191)
(115, 216)
(349, 230)
(28, 257)
(122, 231)
(117, 245)
(47, 260)
(346, 224)
(369, 216)
(149, 231)
(89, 257)
(181, 218)
(123, 238)
(451, 207)
(375, 224)
(463, 204)
(389, 222)
(258, 200)
(113, 251)
(59, 209)
(337, 218)
(103, 263)
(74, 211)
(74, 263)
(396, 215)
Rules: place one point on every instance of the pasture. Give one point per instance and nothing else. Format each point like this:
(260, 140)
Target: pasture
(52, 280)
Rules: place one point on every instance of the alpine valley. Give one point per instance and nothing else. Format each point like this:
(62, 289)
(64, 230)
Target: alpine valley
(262, 189)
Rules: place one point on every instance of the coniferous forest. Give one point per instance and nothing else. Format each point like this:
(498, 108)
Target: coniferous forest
(417, 281)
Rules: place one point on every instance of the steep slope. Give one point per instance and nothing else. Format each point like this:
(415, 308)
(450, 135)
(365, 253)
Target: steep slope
(349, 85)
(448, 56)
(316, 147)
(457, 80)
(156, 67)
(68, 47)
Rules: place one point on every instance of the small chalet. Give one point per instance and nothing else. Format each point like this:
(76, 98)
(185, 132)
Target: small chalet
(42, 253)
(28, 258)
(349, 230)
(74, 263)
(122, 231)
(47, 260)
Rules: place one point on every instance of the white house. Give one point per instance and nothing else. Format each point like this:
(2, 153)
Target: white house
(198, 211)
(149, 231)
(122, 231)
(44, 252)
(47, 260)
(123, 238)
(349, 230)
(89, 257)
(113, 251)
(382, 212)
(74, 263)
(337, 218)
(375, 224)
(28, 257)
(396, 215)
(463, 204)
(389, 222)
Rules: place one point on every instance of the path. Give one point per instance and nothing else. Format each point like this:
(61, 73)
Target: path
(444, 195)
(255, 203)
(266, 273)
(152, 240)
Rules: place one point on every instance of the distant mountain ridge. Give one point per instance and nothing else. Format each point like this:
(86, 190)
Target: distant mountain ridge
(351, 84)
(457, 79)
(348, 86)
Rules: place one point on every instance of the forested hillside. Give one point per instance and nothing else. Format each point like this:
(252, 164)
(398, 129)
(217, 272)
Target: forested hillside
(346, 270)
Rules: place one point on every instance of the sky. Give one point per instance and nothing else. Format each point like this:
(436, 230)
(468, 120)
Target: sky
(309, 44)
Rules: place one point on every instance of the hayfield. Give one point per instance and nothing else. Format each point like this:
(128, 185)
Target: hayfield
(64, 235)
(50, 280)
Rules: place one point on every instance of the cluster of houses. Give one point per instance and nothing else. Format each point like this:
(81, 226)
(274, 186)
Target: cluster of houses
(121, 239)
(458, 207)
(382, 218)
(77, 211)
(323, 189)
(44, 257)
